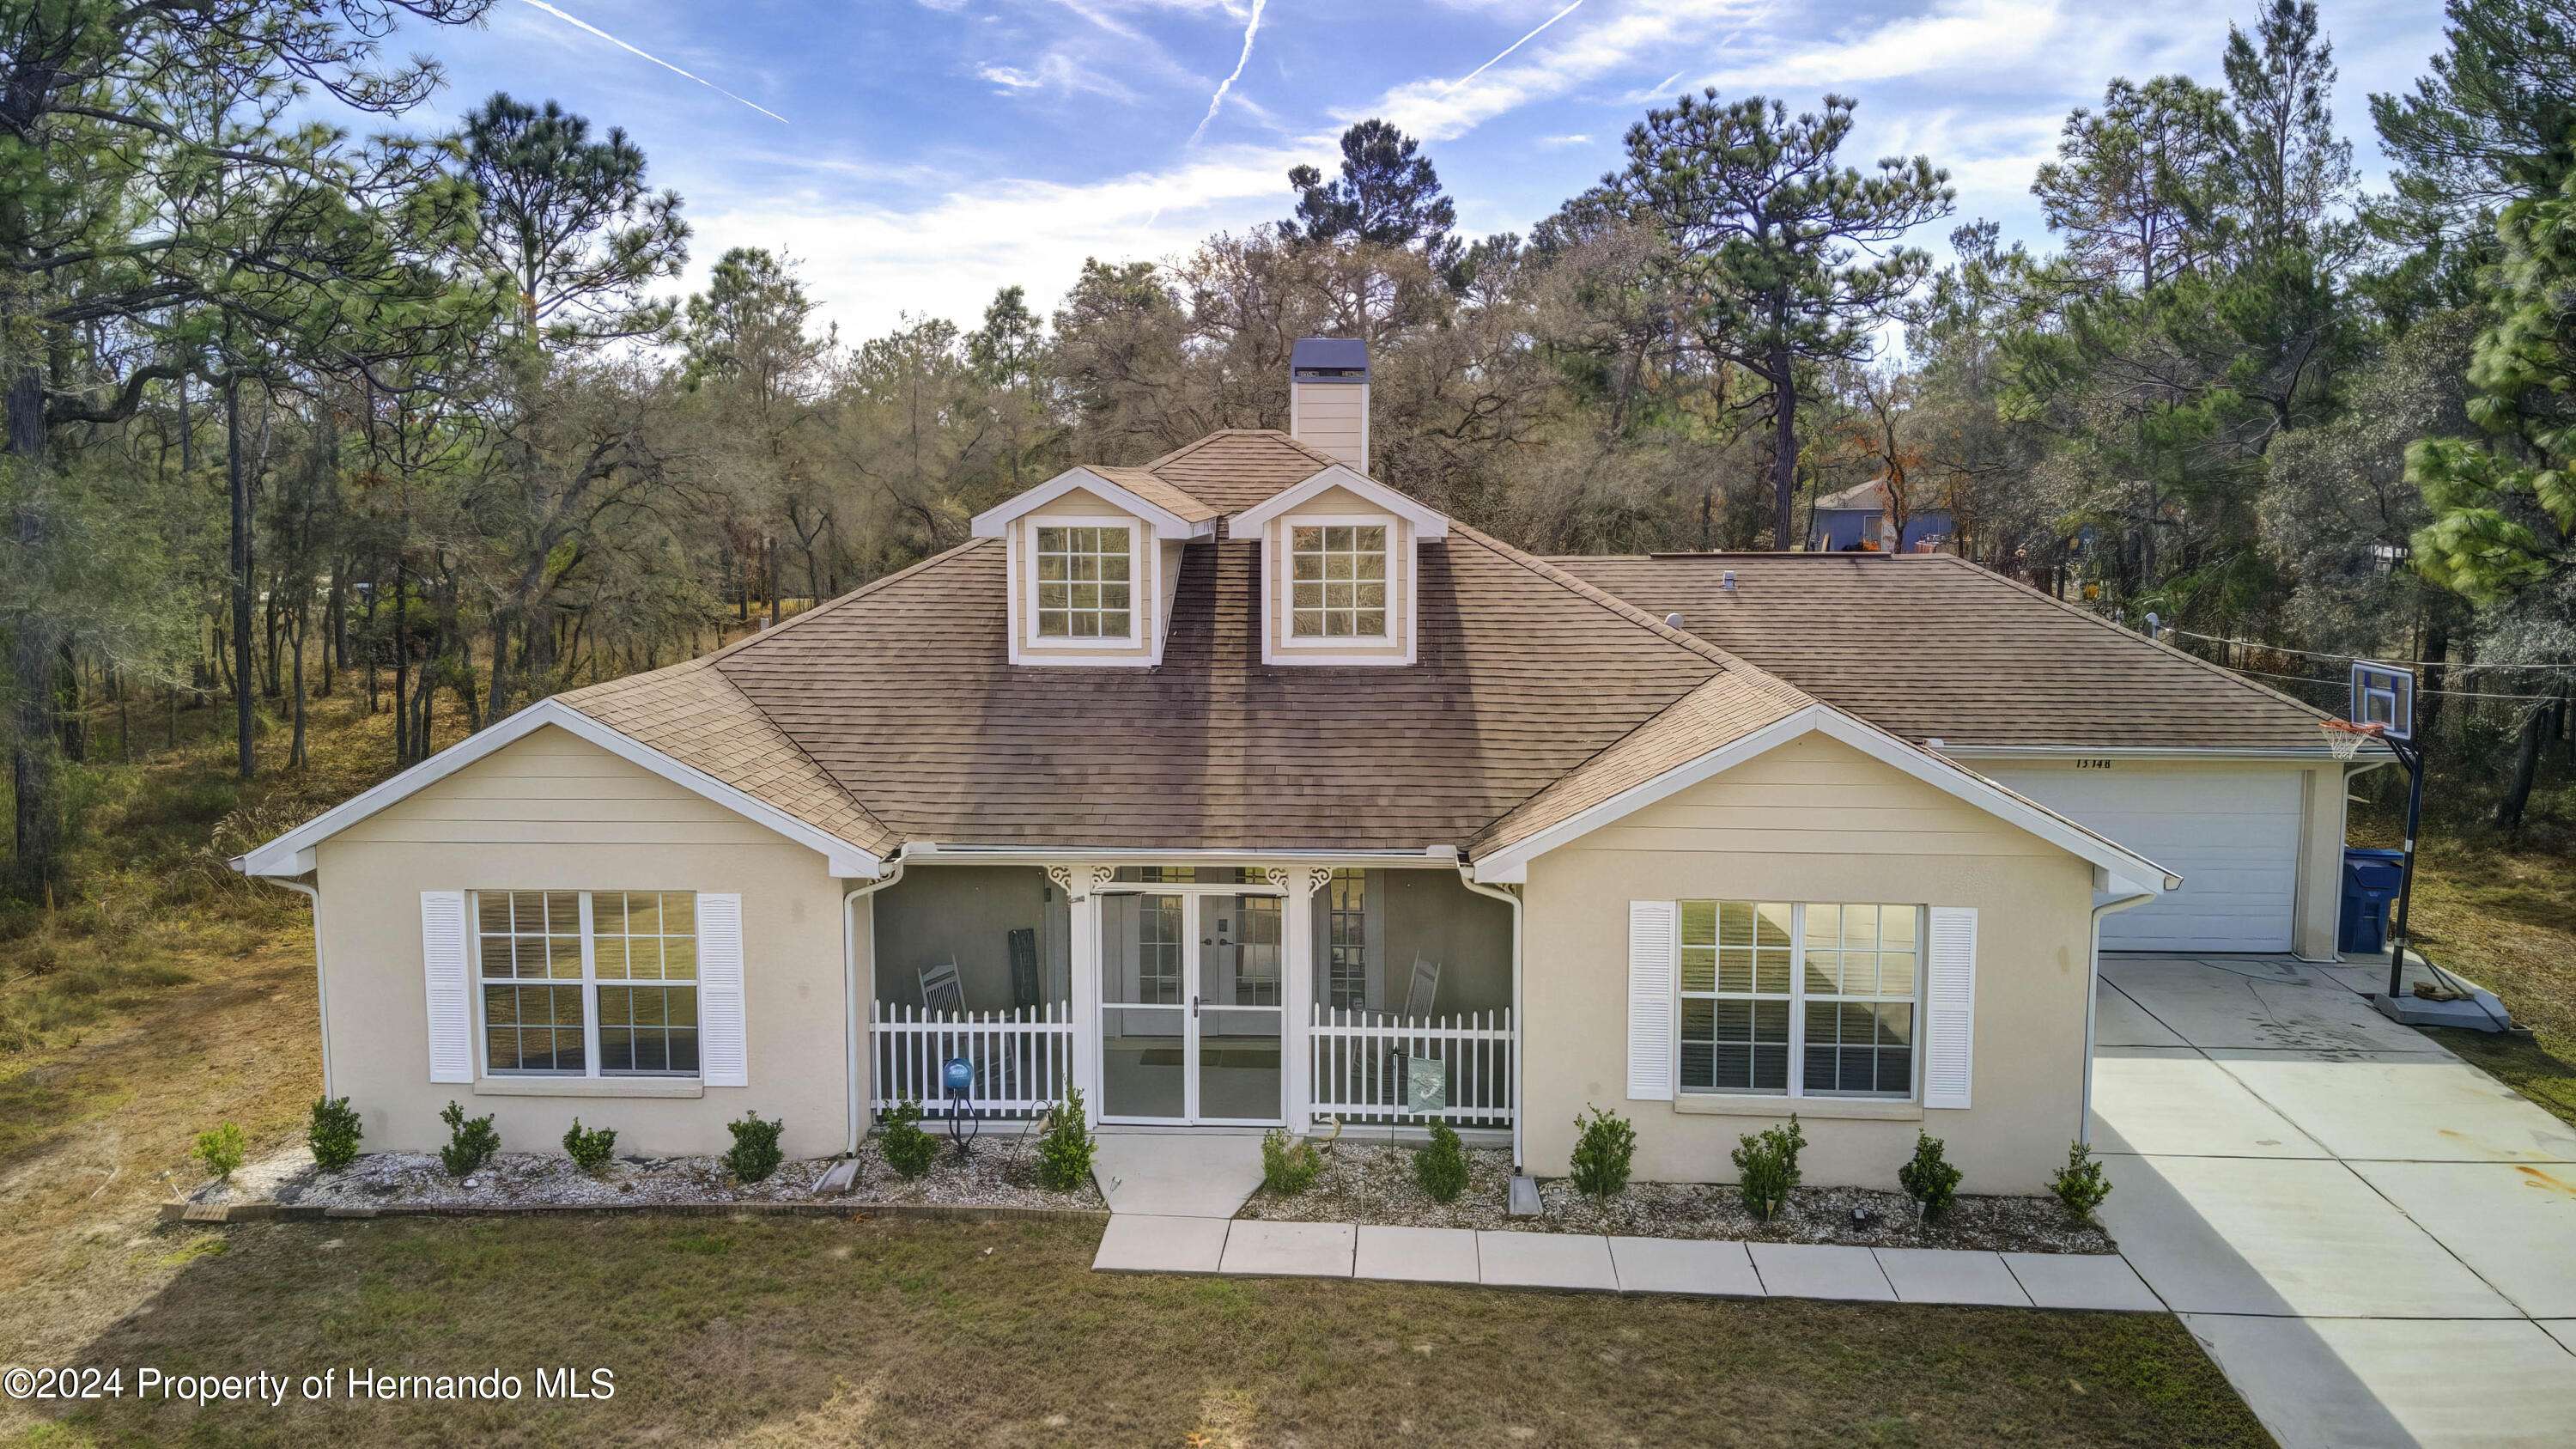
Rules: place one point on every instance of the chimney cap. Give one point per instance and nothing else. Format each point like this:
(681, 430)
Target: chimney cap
(1329, 359)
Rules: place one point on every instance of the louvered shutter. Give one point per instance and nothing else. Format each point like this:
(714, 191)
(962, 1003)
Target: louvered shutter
(1652, 935)
(723, 1055)
(451, 999)
(1950, 1006)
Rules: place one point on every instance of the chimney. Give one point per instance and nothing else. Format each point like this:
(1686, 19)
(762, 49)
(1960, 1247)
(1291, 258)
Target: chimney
(1328, 398)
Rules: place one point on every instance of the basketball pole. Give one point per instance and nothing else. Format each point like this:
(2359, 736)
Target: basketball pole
(2412, 757)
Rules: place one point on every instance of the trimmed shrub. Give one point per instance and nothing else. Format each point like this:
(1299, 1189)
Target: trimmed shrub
(907, 1148)
(333, 1133)
(1064, 1145)
(1289, 1166)
(470, 1142)
(1605, 1148)
(590, 1148)
(1928, 1177)
(1441, 1168)
(754, 1154)
(2080, 1183)
(1766, 1167)
(221, 1149)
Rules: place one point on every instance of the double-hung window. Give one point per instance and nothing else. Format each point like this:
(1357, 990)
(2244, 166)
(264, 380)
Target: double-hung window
(1799, 1000)
(1086, 583)
(588, 983)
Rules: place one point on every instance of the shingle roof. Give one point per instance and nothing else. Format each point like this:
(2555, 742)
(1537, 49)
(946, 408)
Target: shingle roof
(905, 696)
(1239, 467)
(692, 713)
(1931, 646)
(1146, 485)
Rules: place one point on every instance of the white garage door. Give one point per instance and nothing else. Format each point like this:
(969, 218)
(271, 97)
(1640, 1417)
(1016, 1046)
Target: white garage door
(2232, 835)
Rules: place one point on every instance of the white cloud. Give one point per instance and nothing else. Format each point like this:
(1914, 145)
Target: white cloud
(1251, 28)
(1591, 50)
(1558, 142)
(1058, 73)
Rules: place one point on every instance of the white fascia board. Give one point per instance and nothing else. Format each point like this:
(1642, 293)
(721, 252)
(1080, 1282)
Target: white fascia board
(1511, 864)
(1429, 524)
(291, 854)
(931, 852)
(995, 522)
(2042, 753)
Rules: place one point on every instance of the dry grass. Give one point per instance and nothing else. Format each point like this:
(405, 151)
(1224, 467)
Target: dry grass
(802, 1330)
(2507, 920)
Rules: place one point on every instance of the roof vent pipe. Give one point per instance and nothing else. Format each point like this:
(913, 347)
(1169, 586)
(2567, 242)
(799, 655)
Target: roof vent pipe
(1672, 621)
(1328, 398)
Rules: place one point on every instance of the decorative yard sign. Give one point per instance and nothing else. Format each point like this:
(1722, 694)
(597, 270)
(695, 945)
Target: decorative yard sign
(1426, 1084)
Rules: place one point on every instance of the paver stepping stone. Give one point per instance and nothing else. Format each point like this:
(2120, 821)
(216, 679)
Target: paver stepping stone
(1948, 1275)
(1816, 1270)
(1416, 1255)
(2081, 1280)
(1662, 1265)
(1286, 1250)
(1143, 1243)
(1545, 1260)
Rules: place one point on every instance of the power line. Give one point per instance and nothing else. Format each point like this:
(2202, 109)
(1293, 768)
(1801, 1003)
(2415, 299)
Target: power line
(2340, 684)
(2348, 658)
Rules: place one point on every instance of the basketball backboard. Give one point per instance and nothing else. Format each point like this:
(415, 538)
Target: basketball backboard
(2384, 695)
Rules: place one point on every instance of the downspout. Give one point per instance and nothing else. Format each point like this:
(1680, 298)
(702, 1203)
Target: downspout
(1520, 1026)
(2092, 999)
(850, 990)
(321, 984)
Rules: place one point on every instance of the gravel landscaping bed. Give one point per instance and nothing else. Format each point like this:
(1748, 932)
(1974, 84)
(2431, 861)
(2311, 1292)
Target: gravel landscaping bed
(997, 1172)
(1374, 1184)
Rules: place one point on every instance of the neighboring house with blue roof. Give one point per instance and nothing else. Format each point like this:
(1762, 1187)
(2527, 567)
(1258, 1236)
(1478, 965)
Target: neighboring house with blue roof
(1856, 519)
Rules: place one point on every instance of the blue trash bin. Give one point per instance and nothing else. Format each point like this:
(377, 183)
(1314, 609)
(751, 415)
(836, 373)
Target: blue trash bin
(2370, 881)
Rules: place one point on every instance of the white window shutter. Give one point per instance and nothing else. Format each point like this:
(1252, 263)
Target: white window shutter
(1652, 945)
(723, 1055)
(1950, 1006)
(451, 996)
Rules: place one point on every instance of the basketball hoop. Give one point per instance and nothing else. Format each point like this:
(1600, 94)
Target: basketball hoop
(2346, 738)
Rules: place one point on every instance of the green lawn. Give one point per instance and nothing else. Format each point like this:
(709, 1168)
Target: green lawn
(799, 1329)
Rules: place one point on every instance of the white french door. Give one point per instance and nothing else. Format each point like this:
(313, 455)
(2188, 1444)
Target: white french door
(1191, 1008)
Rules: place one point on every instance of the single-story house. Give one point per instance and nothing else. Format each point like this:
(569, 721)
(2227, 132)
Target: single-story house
(1239, 788)
(1860, 518)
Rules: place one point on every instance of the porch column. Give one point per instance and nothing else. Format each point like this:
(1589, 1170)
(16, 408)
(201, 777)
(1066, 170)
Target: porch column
(1297, 994)
(1076, 881)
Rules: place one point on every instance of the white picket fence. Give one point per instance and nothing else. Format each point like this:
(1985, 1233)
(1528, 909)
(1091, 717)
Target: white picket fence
(1023, 1059)
(1360, 1062)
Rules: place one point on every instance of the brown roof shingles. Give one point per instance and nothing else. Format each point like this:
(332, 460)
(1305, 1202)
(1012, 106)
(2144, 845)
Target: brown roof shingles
(906, 695)
(1166, 496)
(1238, 468)
(1930, 646)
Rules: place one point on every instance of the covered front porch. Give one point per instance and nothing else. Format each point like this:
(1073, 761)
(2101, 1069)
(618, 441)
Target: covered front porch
(1188, 995)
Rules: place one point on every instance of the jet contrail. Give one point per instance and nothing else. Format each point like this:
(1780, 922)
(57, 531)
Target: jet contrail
(666, 65)
(1508, 49)
(1251, 28)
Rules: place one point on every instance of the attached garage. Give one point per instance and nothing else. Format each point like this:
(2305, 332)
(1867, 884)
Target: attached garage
(2232, 834)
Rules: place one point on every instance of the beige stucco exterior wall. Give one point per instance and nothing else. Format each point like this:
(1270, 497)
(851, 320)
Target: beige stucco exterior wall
(554, 812)
(1149, 597)
(1815, 821)
(1401, 581)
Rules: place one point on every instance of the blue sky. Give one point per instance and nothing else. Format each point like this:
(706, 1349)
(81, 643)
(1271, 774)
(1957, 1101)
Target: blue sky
(914, 155)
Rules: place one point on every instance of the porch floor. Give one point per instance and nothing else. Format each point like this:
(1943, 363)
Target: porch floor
(1189, 1174)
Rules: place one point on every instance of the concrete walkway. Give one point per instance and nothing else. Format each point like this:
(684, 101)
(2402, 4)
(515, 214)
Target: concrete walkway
(1588, 1261)
(2374, 1240)
(1197, 1173)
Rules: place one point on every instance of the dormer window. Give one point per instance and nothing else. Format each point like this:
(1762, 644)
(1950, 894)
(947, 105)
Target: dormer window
(1086, 575)
(1338, 579)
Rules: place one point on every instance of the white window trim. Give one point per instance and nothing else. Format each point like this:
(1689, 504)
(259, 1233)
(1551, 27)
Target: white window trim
(1140, 587)
(1798, 999)
(589, 984)
(1287, 571)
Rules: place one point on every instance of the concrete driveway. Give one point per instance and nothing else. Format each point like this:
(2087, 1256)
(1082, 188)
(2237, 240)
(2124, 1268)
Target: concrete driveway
(2375, 1240)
